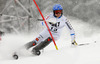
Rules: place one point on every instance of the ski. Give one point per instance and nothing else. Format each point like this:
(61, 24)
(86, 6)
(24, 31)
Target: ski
(85, 44)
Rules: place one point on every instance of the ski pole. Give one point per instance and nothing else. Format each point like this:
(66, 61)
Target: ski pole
(45, 23)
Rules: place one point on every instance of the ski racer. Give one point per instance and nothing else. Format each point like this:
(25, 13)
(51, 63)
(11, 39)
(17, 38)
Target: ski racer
(56, 21)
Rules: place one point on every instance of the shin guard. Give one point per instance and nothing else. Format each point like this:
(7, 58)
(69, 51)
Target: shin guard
(43, 44)
(30, 44)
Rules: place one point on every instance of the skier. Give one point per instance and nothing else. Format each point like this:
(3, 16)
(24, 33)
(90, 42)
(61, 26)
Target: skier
(56, 21)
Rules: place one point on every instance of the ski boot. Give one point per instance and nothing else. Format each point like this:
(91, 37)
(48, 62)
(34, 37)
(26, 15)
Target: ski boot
(36, 52)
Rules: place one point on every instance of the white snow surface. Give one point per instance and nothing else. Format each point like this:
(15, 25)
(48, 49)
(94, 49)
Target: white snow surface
(66, 54)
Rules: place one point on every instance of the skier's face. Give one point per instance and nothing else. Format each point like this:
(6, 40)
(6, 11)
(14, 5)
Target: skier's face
(58, 13)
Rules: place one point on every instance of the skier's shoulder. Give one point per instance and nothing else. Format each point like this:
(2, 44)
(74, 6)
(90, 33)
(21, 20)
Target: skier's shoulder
(48, 15)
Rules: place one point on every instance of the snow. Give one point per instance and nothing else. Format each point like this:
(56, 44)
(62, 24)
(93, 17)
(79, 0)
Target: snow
(67, 54)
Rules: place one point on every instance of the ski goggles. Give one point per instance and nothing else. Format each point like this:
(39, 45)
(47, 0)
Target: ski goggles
(58, 11)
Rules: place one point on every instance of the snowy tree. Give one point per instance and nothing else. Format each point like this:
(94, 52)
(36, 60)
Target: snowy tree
(86, 10)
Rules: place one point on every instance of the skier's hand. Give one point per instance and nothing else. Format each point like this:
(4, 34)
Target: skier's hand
(74, 43)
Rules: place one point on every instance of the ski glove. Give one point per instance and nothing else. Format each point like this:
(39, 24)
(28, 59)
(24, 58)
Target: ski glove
(74, 43)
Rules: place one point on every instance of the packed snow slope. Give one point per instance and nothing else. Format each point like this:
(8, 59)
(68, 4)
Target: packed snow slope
(67, 54)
